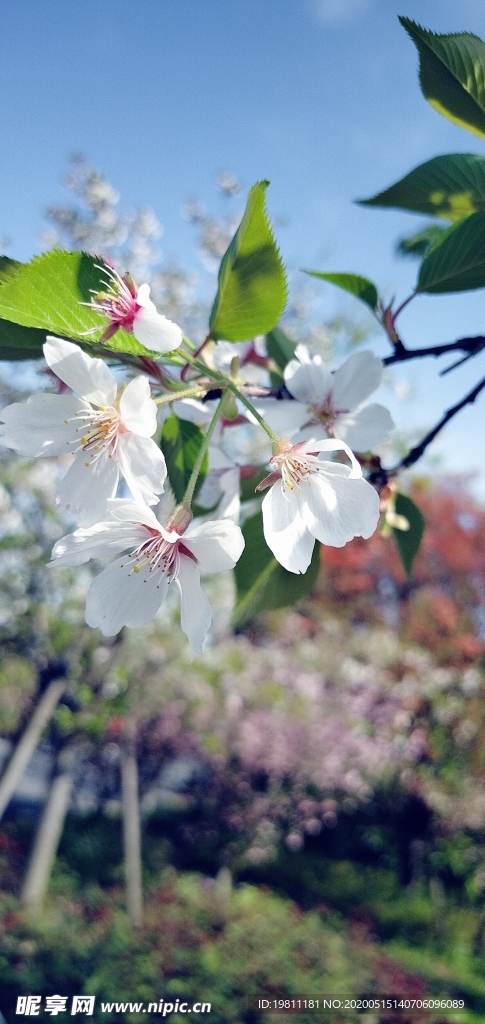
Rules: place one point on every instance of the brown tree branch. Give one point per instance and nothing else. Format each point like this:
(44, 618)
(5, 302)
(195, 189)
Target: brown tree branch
(381, 476)
(471, 346)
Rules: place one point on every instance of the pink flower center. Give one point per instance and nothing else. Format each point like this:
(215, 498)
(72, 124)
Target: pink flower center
(290, 465)
(326, 414)
(118, 303)
(161, 555)
(99, 431)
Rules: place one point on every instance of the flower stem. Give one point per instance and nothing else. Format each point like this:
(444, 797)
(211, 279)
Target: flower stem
(176, 396)
(226, 382)
(403, 305)
(262, 422)
(187, 500)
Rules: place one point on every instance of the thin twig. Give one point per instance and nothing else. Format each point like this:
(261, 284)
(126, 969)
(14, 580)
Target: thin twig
(281, 393)
(403, 305)
(472, 346)
(381, 476)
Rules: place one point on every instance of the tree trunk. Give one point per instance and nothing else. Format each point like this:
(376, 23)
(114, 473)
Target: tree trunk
(48, 835)
(132, 827)
(29, 741)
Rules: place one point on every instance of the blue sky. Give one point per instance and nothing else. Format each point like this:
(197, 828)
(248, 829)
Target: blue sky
(319, 96)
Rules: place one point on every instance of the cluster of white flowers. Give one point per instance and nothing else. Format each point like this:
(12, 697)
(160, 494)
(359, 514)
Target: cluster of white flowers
(110, 429)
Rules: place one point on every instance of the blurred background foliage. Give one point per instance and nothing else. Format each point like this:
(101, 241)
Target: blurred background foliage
(312, 790)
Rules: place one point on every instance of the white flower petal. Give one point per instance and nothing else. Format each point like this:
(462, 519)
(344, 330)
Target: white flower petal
(302, 353)
(193, 410)
(337, 507)
(85, 490)
(120, 597)
(137, 408)
(37, 427)
(143, 466)
(101, 539)
(225, 351)
(195, 612)
(216, 545)
(221, 486)
(89, 378)
(218, 459)
(210, 492)
(155, 332)
(166, 506)
(355, 381)
(169, 535)
(333, 445)
(284, 417)
(143, 297)
(285, 531)
(230, 504)
(314, 432)
(309, 382)
(122, 510)
(364, 429)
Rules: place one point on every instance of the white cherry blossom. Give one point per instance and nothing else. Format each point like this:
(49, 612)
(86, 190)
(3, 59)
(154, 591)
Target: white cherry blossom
(131, 589)
(125, 306)
(221, 487)
(311, 499)
(108, 428)
(331, 404)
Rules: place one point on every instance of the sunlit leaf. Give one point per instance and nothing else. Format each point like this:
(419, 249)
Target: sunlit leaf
(249, 484)
(261, 582)
(181, 442)
(8, 268)
(280, 347)
(49, 293)
(20, 342)
(17, 342)
(408, 542)
(456, 261)
(450, 187)
(251, 293)
(417, 244)
(361, 287)
(452, 74)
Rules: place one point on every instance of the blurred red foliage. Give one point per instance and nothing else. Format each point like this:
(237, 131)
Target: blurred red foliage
(442, 605)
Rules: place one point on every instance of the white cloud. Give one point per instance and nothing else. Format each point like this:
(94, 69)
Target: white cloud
(334, 12)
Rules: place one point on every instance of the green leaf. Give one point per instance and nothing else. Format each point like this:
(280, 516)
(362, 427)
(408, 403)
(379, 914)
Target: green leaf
(408, 542)
(456, 261)
(452, 74)
(251, 294)
(276, 379)
(17, 342)
(417, 244)
(180, 444)
(249, 484)
(450, 186)
(280, 347)
(261, 582)
(20, 342)
(359, 286)
(8, 268)
(48, 294)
